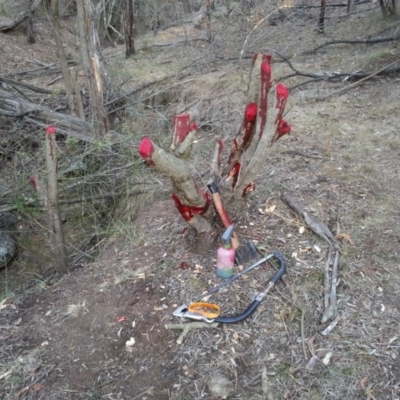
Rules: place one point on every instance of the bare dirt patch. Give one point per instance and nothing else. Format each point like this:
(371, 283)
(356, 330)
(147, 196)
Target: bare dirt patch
(341, 162)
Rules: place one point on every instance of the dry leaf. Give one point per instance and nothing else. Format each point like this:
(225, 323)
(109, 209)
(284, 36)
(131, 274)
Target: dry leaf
(363, 381)
(346, 237)
(311, 345)
(391, 340)
(270, 209)
(327, 359)
(311, 363)
(5, 374)
(3, 303)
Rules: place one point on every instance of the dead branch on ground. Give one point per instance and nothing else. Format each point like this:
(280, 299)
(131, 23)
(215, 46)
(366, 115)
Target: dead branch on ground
(13, 82)
(6, 26)
(42, 116)
(317, 226)
(334, 76)
(330, 302)
(345, 89)
(186, 328)
(357, 41)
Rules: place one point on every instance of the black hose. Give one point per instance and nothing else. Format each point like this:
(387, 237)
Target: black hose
(252, 307)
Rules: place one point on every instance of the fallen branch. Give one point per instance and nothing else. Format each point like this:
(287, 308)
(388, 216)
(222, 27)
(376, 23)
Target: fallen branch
(356, 41)
(186, 328)
(91, 199)
(317, 226)
(38, 379)
(28, 86)
(21, 17)
(11, 24)
(334, 76)
(388, 68)
(151, 83)
(331, 310)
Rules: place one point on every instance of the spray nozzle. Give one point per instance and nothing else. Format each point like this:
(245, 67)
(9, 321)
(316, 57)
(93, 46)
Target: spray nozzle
(226, 237)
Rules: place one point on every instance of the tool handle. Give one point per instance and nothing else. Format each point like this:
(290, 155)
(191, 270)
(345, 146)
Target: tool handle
(252, 307)
(278, 255)
(237, 318)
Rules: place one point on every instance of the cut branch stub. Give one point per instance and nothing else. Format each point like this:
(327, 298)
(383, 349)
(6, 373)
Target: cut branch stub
(190, 201)
(264, 90)
(182, 126)
(282, 127)
(255, 156)
(183, 136)
(241, 143)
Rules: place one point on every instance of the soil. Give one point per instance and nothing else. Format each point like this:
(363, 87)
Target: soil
(100, 331)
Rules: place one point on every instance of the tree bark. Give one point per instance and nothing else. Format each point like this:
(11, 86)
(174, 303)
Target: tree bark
(55, 8)
(321, 21)
(56, 232)
(388, 7)
(128, 28)
(8, 26)
(91, 65)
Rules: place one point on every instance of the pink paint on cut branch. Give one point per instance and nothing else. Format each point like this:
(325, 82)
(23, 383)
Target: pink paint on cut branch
(250, 114)
(265, 87)
(265, 71)
(32, 181)
(182, 127)
(146, 149)
(282, 93)
(188, 212)
(50, 130)
(234, 173)
(283, 128)
(251, 187)
(249, 123)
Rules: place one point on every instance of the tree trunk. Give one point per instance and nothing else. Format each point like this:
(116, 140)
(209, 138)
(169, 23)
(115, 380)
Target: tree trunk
(55, 8)
(388, 7)
(321, 21)
(91, 65)
(56, 232)
(128, 28)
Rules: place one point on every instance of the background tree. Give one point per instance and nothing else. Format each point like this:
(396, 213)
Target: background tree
(128, 28)
(91, 65)
(388, 7)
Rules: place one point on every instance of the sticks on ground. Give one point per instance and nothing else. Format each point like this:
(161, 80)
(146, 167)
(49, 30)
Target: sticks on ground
(317, 226)
(321, 229)
(334, 76)
(358, 41)
(186, 328)
(330, 292)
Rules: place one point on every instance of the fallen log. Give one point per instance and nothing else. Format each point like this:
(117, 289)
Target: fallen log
(37, 114)
(8, 25)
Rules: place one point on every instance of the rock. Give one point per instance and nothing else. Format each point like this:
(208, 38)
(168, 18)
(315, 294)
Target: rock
(31, 365)
(8, 248)
(77, 168)
(7, 221)
(8, 244)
